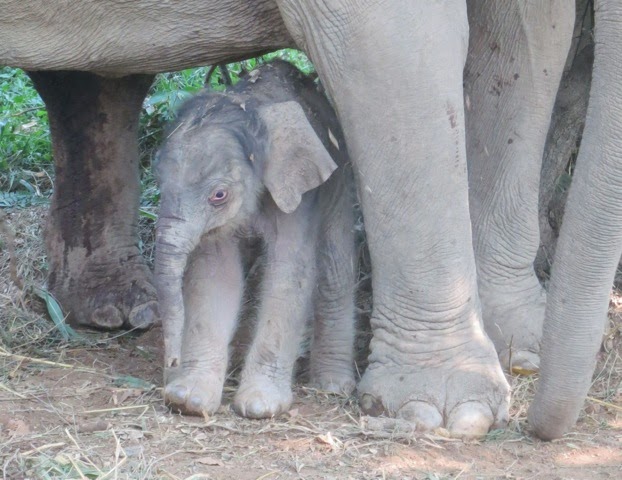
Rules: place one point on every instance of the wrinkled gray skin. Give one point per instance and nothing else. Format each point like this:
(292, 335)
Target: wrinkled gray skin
(451, 254)
(242, 165)
(589, 245)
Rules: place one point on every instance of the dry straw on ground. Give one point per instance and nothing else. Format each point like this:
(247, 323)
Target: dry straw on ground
(92, 408)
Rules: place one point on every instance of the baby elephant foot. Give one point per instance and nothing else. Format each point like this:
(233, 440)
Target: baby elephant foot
(261, 397)
(332, 367)
(461, 389)
(194, 393)
(340, 384)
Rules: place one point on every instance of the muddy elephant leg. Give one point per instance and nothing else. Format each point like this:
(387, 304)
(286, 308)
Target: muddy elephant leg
(394, 71)
(96, 269)
(213, 289)
(517, 52)
(332, 347)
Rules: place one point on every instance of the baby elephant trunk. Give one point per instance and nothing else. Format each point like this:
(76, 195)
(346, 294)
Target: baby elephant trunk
(172, 251)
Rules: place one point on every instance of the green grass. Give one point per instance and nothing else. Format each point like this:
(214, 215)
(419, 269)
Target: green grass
(25, 154)
(26, 163)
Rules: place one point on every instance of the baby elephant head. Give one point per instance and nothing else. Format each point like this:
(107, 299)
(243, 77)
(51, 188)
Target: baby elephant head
(221, 156)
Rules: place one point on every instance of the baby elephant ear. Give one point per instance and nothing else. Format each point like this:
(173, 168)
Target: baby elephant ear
(296, 160)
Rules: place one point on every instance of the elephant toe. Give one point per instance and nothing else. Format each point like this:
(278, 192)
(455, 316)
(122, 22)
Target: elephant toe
(143, 317)
(175, 395)
(107, 317)
(197, 404)
(470, 420)
(338, 386)
(521, 362)
(192, 396)
(262, 401)
(255, 409)
(371, 405)
(421, 414)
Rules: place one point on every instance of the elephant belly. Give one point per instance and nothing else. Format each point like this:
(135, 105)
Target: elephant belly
(144, 36)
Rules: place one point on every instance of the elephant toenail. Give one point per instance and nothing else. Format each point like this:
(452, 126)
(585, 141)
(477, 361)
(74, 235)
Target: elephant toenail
(144, 316)
(175, 394)
(108, 317)
(371, 405)
(470, 420)
(256, 409)
(195, 404)
(425, 416)
(502, 420)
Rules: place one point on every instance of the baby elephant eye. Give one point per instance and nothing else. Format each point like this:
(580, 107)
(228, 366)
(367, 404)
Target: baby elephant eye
(218, 197)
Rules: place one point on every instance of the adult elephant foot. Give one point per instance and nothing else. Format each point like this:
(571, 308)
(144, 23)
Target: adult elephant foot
(196, 392)
(106, 291)
(506, 127)
(513, 317)
(461, 388)
(96, 270)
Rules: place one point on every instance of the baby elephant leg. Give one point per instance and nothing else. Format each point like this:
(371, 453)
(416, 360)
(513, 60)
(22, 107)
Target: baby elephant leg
(287, 289)
(332, 348)
(213, 287)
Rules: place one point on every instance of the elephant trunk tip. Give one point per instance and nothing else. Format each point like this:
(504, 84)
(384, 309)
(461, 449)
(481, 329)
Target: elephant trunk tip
(548, 424)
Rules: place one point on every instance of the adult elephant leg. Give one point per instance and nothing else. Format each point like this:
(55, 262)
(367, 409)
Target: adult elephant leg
(517, 52)
(589, 245)
(394, 71)
(96, 269)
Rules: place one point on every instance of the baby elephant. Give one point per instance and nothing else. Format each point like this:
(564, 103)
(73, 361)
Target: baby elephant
(256, 162)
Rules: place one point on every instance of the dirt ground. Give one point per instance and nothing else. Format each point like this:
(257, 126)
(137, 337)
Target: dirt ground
(92, 408)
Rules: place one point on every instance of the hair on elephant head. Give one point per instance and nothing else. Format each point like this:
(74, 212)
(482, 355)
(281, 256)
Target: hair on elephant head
(227, 149)
(247, 163)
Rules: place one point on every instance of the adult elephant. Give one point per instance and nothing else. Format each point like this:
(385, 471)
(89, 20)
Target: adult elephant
(395, 72)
